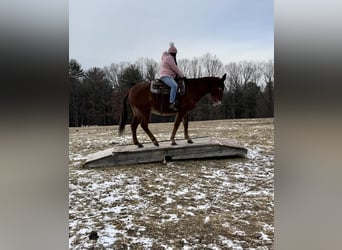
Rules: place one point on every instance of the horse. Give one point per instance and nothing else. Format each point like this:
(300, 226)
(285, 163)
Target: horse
(143, 103)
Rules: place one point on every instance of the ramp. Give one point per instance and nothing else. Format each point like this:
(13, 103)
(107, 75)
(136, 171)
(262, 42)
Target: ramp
(202, 148)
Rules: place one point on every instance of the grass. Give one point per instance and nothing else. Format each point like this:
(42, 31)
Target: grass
(202, 204)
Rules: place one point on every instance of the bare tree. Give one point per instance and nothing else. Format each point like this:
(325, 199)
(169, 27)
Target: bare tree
(148, 67)
(247, 69)
(113, 71)
(256, 76)
(234, 78)
(234, 86)
(196, 70)
(152, 69)
(185, 66)
(211, 65)
(191, 68)
(268, 75)
(140, 63)
(267, 71)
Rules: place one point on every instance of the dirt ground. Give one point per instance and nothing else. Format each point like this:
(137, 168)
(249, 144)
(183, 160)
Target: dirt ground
(196, 204)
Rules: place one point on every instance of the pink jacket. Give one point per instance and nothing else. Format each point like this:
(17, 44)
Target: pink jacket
(168, 67)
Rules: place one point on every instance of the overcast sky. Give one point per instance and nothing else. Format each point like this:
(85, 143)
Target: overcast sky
(102, 32)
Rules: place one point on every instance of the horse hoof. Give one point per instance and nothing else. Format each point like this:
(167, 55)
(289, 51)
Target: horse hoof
(190, 141)
(173, 143)
(156, 143)
(140, 145)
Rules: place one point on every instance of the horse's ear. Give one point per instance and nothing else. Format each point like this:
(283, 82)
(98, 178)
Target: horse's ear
(224, 77)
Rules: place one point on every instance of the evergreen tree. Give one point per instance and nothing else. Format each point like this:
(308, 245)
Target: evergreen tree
(269, 97)
(97, 98)
(75, 77)
(130, 76)
(250, 99)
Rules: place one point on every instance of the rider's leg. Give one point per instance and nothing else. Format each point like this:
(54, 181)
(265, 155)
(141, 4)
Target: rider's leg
(169, 81)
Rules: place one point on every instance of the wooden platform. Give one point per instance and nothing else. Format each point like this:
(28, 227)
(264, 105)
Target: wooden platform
(130, 154)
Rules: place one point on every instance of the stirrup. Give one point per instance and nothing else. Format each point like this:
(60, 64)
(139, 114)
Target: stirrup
(173, 107)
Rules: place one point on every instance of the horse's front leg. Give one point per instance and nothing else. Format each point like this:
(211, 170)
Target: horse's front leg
(175, 128)
(186, 125)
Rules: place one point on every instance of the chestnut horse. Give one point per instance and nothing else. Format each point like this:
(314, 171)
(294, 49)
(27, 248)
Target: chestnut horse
(143, 103)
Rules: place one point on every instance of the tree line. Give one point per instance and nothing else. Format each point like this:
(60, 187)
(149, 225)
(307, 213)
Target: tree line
(96, 94)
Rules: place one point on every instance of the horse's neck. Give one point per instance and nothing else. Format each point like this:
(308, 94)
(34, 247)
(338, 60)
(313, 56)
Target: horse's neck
(198, 88)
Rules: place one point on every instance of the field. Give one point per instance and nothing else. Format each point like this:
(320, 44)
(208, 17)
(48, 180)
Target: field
(197, 204)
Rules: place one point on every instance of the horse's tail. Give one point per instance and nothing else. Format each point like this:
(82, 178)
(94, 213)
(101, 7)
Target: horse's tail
(123, 117)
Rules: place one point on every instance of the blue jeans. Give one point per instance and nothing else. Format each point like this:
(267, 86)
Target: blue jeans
(169, 81)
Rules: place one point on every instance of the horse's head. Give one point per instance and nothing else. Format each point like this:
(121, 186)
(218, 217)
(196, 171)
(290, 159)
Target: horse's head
(216, 89)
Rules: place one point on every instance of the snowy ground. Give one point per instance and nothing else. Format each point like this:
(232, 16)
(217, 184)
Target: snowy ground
(204, 204)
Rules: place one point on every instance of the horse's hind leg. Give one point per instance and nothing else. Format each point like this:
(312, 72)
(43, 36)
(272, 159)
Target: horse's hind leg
(175, 128)
(134, 125)
(144, 125)
(186, 125)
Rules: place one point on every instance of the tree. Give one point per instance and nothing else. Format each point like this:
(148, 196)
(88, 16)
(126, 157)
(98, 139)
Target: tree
(211, 65)
(96, 108)
(196, 69)
(152, 69)
(127, 78)
(113, 72)
(247, 71)
(130, 76)
(185, 66)
(233, 76)
(267, 71)
(76, 75)
(75, 70)
(147, 67)
(234, 86)
(250, 99)
(269, 97)
(268, 75)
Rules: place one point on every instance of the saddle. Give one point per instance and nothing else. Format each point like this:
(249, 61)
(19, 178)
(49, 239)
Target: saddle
(157, 86)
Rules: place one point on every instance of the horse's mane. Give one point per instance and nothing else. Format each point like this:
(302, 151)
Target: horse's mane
(203, 78)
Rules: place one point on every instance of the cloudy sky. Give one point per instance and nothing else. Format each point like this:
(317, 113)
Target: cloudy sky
(102, 32)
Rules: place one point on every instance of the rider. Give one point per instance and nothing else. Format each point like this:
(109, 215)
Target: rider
(168, 71)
